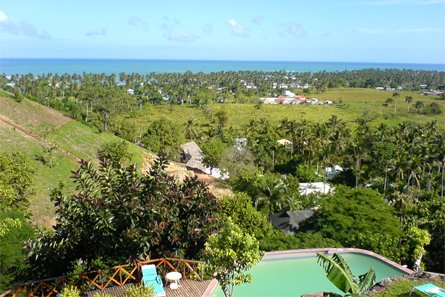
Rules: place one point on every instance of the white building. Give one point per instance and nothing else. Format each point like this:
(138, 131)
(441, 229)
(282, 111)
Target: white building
(315, 188)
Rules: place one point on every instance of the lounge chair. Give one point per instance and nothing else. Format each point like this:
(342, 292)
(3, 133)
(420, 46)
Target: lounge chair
(430, 290)
(150, 278)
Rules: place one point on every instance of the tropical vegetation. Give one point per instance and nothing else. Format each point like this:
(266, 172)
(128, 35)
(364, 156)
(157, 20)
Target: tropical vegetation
(388, 197)
(339, 273)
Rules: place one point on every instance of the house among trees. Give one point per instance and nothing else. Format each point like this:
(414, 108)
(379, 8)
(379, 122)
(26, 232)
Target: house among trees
(289, 221)
(315, 188)
(192, 156)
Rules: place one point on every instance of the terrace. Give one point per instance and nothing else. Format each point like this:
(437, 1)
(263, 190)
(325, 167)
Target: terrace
(117, 279)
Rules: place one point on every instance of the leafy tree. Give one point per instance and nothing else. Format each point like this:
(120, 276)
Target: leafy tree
(16, 179)
(419, 239)
(15, 228)
(230, 253)
(212, 149)
(114, 151)
(356, 218)
(409, 100)
(123, 214)
(236, 160)
(270, 192)
(239, 207)
(338, 272)
(278, 240)
(162, 134)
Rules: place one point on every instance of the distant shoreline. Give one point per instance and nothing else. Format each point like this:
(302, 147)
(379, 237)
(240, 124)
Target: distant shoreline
(38, 66)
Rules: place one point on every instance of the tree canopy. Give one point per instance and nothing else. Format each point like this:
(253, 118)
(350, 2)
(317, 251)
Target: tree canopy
(119, 214)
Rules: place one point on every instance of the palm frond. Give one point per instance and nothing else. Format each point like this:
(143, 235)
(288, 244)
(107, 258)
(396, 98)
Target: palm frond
(338, 272)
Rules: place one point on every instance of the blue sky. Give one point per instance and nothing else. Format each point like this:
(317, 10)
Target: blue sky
(407, 31)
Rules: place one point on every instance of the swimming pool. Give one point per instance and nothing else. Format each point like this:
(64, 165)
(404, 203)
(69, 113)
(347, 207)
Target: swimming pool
(294, 273)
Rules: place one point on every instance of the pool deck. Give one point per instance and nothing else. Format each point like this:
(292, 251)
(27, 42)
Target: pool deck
(312, 252)
(187, 288)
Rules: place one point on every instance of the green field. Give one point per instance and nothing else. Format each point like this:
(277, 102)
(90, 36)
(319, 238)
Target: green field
(350, 105)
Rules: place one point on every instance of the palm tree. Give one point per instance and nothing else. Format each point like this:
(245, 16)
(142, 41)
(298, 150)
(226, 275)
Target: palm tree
(409, 100)
(338, 272)
(190, 129)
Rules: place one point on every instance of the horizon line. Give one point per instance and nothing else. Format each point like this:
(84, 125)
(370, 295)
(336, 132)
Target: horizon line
(219, 60)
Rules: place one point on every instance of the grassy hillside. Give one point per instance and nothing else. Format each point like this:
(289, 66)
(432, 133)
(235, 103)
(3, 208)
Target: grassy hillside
(34, 129)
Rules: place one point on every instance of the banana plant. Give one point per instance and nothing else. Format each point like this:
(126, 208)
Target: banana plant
(338, 272)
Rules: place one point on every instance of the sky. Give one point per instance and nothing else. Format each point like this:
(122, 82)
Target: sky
(390, 31)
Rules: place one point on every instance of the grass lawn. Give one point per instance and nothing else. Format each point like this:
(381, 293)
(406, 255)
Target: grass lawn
(403, 288)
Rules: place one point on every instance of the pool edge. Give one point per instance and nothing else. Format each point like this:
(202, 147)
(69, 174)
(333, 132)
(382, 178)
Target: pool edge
(311, 252)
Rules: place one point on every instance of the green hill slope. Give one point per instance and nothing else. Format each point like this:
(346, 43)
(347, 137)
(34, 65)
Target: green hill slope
(32, 129)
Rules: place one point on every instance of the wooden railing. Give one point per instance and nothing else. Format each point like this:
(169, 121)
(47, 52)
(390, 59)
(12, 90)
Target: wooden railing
(101, 279)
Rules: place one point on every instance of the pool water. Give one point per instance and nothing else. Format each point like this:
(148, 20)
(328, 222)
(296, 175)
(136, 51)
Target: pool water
(303, 275)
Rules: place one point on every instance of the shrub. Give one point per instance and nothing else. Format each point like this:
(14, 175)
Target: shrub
(70, 291)
(139, 291)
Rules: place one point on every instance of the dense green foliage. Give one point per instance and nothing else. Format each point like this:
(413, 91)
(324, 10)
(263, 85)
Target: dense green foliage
(16, 181)
(139, 291)
(98, 98)
(124, 214)
(240, 209)
(115, 151)
(229, 254)
(162, 135)
(70, 291)
(15, 229)
(270, 192)
(354, 217)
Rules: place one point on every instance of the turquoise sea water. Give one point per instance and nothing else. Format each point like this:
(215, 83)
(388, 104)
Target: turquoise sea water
(303, 275)
(61, 66)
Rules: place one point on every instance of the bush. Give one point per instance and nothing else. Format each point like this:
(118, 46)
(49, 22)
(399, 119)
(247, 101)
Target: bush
(139, 291)
(70, 291)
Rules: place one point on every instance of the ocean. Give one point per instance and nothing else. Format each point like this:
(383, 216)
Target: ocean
(107, 66)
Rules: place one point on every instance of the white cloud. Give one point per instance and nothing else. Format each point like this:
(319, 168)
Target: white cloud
(102, 32)
(3, 17)
(295, 29)
(237, 29)
(22, 28)
(171, 32)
